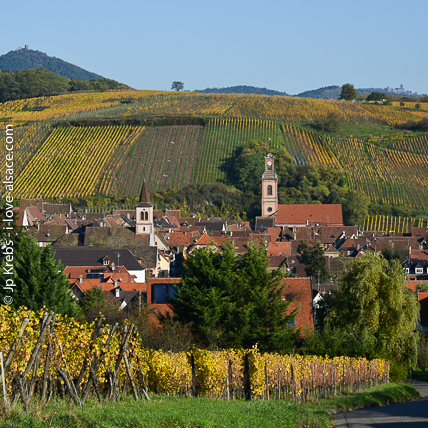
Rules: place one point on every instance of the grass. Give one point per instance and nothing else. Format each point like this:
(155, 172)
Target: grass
(173, 412)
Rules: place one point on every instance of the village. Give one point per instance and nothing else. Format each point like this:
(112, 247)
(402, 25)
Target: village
(136, 256)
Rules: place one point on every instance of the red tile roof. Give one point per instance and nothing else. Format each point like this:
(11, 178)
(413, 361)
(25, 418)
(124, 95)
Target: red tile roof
(301, 290)
(279, 249)
(327, 214)
(274, 233)
(419, 254)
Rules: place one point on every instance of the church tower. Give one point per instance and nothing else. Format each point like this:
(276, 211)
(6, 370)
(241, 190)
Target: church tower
(269, 188)
(144, 215)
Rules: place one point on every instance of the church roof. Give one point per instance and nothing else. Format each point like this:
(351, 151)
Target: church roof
(327, 214)
(144, 196)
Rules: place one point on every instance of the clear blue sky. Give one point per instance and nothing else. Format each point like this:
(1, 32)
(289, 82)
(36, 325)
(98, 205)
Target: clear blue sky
(289, 46)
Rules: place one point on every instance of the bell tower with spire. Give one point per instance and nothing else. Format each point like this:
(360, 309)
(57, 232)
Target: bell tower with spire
(144, 215)
(269, 188)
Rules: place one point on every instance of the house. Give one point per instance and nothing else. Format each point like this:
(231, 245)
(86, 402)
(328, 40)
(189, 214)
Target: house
(159, 290)
(100, 258)
(417, 270)
(300, 291)
(50, 232)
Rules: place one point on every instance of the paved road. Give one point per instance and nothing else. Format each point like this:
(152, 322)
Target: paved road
(413, 414)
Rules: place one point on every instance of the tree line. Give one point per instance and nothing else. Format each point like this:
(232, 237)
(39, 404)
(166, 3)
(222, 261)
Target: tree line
(30, 83)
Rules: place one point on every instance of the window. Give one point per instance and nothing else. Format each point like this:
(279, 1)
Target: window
(419, 270)
(292, 323)
(269, 189)
(269, 209)
(144, 215)
(160, 292)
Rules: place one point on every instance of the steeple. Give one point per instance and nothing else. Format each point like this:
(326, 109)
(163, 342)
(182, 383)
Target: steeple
(144, 215)
(144, 195)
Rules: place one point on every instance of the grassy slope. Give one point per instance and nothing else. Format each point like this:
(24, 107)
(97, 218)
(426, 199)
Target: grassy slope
(204, 412)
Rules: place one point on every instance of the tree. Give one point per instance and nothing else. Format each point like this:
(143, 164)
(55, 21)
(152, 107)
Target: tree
(355, 207)
(177, 86)
(231, 302)
(330, 123)
(376, 96)
(373, 306)
(38, 279)
(313, 259)
(348, 92)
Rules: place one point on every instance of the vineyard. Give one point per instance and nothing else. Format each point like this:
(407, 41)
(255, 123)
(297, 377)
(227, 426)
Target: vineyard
(53, 161)
(71, 160)
(387, 224)
(49, 355)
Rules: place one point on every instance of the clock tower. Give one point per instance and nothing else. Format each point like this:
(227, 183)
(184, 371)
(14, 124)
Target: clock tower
(269, 188)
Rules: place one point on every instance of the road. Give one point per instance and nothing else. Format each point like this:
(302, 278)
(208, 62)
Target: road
(413, 414)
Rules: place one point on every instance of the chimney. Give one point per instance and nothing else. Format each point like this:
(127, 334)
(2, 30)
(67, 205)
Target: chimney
(80, 279)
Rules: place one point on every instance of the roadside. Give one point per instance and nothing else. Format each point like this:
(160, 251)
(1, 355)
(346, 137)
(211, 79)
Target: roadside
(412, 412)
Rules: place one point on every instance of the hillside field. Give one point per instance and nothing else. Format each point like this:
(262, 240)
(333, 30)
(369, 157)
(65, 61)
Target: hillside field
(104, 143)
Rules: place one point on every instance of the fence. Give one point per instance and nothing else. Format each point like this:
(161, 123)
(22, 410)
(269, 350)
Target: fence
(59, 357)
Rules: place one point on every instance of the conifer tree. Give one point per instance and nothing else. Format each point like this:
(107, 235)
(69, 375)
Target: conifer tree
(233, 302)
(38, 279)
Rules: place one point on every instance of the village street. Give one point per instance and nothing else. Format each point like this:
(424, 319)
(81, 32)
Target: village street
(412, 414)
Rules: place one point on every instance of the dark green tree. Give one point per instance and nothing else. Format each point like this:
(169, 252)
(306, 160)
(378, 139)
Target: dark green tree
(38, 279)
(348, 93)
(330, 123)
(355, 207)
(313, 259)
(376, 96)
(231, 302)
(177, 86)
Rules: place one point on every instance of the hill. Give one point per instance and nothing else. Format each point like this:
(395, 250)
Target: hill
(243, 89)
(22, 59)
(174, 139)
(333, 92)
(29, 83)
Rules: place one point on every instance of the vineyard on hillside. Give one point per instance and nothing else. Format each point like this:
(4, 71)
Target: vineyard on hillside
(166, 156)
(71, 161)
(395, 224)
(195, 134)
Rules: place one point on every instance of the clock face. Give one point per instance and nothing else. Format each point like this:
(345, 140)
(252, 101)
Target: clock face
(269, 163)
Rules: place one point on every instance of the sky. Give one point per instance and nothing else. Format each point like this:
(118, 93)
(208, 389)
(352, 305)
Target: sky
(289, 46)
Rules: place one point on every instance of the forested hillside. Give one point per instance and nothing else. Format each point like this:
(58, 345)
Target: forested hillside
(22, 59)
